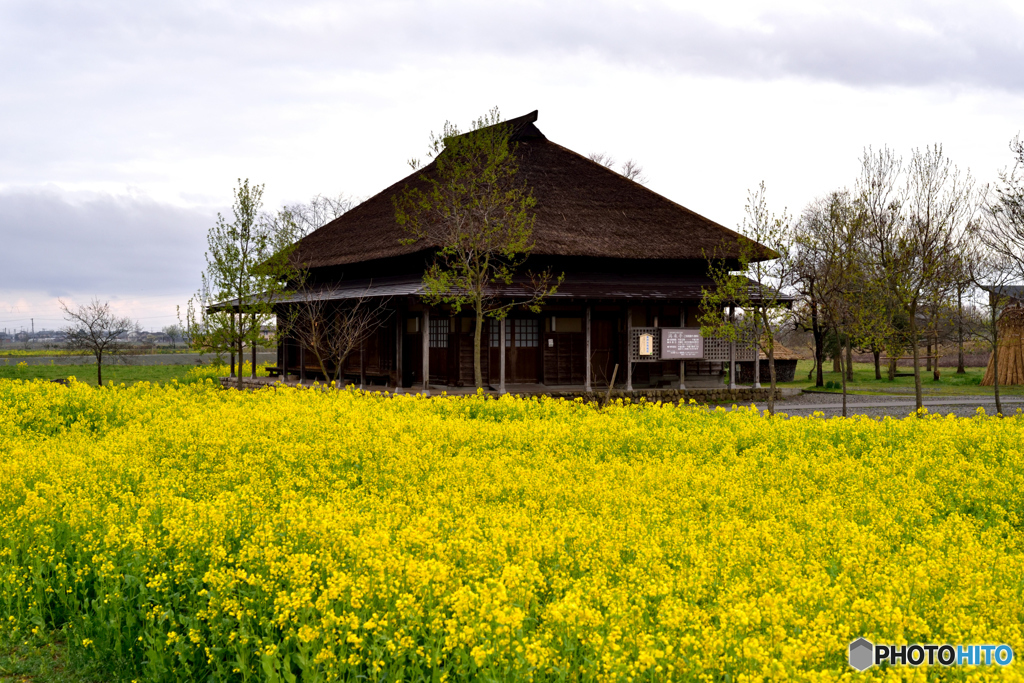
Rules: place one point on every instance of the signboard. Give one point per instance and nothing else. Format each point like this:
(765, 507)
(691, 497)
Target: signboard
(646, 345)
(681, 343)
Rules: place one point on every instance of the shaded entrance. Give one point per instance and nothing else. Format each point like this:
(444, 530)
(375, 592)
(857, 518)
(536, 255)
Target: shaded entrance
(522, 350)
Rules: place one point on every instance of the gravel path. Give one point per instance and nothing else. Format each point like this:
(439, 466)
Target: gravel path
(894, 406)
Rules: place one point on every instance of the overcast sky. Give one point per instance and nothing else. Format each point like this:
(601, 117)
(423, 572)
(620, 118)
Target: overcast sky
(124, 125)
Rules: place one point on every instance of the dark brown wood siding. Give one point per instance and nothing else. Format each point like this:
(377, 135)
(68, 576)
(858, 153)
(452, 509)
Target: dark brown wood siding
(564, 358)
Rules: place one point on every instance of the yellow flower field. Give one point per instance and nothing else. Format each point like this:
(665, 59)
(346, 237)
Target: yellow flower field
(190, 533)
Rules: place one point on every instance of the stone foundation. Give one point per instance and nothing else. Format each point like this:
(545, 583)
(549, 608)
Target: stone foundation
(740, 395)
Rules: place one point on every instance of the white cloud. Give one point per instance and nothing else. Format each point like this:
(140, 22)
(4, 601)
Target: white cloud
(179, 99)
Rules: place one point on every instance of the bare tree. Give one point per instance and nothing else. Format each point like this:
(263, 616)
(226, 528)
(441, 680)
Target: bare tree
(174, 333)
(879, 192)
(302, 219)
(940, 205)
(634, 172)
(94, 328)
(630, 169)
(829, 240)
(332, 330)
(991, 272)
(1003, 230)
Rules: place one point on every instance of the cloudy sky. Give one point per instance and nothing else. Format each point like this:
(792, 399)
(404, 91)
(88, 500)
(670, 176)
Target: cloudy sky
(124, 125)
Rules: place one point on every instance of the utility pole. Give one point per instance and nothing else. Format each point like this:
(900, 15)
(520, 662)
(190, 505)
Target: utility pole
(33, 325)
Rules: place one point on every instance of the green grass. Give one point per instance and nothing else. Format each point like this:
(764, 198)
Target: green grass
(42, 658)
(36, 353)
(949, 384)
(116, 373)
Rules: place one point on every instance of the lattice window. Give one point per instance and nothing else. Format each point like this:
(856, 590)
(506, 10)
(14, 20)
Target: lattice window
(439, 333)
(527, 333)
(715, 349)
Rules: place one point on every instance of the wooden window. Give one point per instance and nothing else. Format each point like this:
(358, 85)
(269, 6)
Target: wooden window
(527, 333)
(439, 333)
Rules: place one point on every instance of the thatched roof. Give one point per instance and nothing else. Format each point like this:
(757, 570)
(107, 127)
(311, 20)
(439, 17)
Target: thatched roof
(583, 209)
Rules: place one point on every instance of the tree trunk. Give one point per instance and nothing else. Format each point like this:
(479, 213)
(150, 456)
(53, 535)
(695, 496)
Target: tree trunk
(935, 368)
(842, 374)
(893, 364)
(362, 363)
(478, 375)
(918, 399)
(849, 358)
(771, 362)
(238, 383)
(837, 360)
(99, 369)
(928, 358)
(995, 360)
(878, 364)
(322, 362)
(819, 341)
(960, 369)
(339, 374)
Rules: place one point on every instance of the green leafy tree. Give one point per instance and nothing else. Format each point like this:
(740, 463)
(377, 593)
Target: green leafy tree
(757, 286)
(472, 206)
(830, 236)
(247, 266)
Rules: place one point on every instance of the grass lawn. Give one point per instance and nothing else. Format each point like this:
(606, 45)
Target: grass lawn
(25, 353)
(114, 372)
(864, 382)
(42, 658)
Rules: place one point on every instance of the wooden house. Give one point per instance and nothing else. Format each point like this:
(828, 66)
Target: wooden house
(634, 265)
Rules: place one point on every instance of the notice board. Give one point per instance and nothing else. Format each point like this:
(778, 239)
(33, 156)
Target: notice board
(681, 343)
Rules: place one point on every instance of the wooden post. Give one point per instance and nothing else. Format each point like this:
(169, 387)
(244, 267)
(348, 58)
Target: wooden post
(501, 356)
(425, 333)
(302, 364)
(399, 334)
(253, 368)
(283, 365)
(611, 385)
(629, 349)
(757, 355)
(362, 364)
(682, 375)
(586, 380)
(732, 350)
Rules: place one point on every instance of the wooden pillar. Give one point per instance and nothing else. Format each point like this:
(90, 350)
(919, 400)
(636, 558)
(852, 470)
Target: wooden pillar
(629, 350)
(732, 350)
(757, 352)
(682, 374)
(282, 349)
(399, 334)
(302, 364)
(586, 380)
(501, 356)
(362, 364)
(425, 333)
(253, 368)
